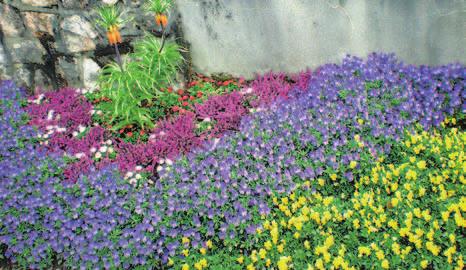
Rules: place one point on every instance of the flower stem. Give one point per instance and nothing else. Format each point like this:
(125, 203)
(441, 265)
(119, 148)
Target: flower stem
(163, 39)
(118, 56)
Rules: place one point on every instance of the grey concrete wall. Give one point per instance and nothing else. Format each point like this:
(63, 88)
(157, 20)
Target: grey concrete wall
(242, 37)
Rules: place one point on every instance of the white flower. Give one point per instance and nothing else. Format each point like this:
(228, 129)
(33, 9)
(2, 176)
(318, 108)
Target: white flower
(81, 128)
(39, 136)
(99, 112)
(92, 112)
(98, 155)
(79, 155)
(84, 91)
(132, 181)
(103, 149)
(209, 127)
(61, 130)
(150, 182)
(138, 176)
(110, 149)
(50, 115)
(161, 161)
(93, 150)
(249, 90)
(109, 142)
(129, 174)
(252, 110)
(159, 168)
(216, 140)
(75, 133)
(169, 162)
(207, 119)
(46, 136)
(49, 127)
(138, 168)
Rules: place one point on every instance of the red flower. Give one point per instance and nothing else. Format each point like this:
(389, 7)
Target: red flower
(193, 83)
(175, 108)
(169, 90)
(180, 99)
(185, 97)
(129, 134)
(191, 98)
(185, 103)
(180, 92)
(225, 83)
(199, 94)
(142, 132)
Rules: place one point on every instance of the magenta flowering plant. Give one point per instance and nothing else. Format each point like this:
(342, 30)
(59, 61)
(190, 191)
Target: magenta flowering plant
(224, 111)
(65, 108)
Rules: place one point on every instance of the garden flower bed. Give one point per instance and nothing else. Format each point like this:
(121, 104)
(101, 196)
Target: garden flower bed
(291, 185)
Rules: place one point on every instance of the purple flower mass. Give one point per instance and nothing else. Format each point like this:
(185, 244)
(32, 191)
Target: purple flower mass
(219, 190)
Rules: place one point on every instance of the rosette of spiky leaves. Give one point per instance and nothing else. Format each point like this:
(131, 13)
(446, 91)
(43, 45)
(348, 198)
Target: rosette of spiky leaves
(158, 6)
(164, 64)
(161, 67)
(135, 89)
(110, 16)
(127, 89)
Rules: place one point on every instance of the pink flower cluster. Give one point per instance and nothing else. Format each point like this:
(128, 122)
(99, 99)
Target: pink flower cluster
(64, 120)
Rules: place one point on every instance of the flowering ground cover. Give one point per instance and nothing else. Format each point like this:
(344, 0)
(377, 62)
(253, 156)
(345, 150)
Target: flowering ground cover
(74, 122)
(403, 215)
(324, 135)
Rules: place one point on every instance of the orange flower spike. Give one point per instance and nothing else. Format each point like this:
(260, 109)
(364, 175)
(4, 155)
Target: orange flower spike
(161, 20)
(164, 21)
(109, 37)
(118, 36)
(157, 19)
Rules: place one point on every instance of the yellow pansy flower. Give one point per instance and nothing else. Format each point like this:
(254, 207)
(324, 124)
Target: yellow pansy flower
(282, 263)
(385, 264)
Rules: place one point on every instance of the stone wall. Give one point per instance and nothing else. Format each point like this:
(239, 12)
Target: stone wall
(53, 43)
(247, 36)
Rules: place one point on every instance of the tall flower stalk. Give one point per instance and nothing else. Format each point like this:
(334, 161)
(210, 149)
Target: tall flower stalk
(160, 8)
(110, 19)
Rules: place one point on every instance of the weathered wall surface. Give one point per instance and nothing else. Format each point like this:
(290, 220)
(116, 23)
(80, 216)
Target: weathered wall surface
(247, 36)
(54, 43)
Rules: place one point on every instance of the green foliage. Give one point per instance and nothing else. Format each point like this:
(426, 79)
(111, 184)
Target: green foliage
(136, 88)
(158, 6)
(109, 15)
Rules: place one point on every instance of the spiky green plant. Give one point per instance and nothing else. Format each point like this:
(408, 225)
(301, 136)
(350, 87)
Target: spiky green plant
(158, 6)
(110, 19)
(109, 16)
(137, 85)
